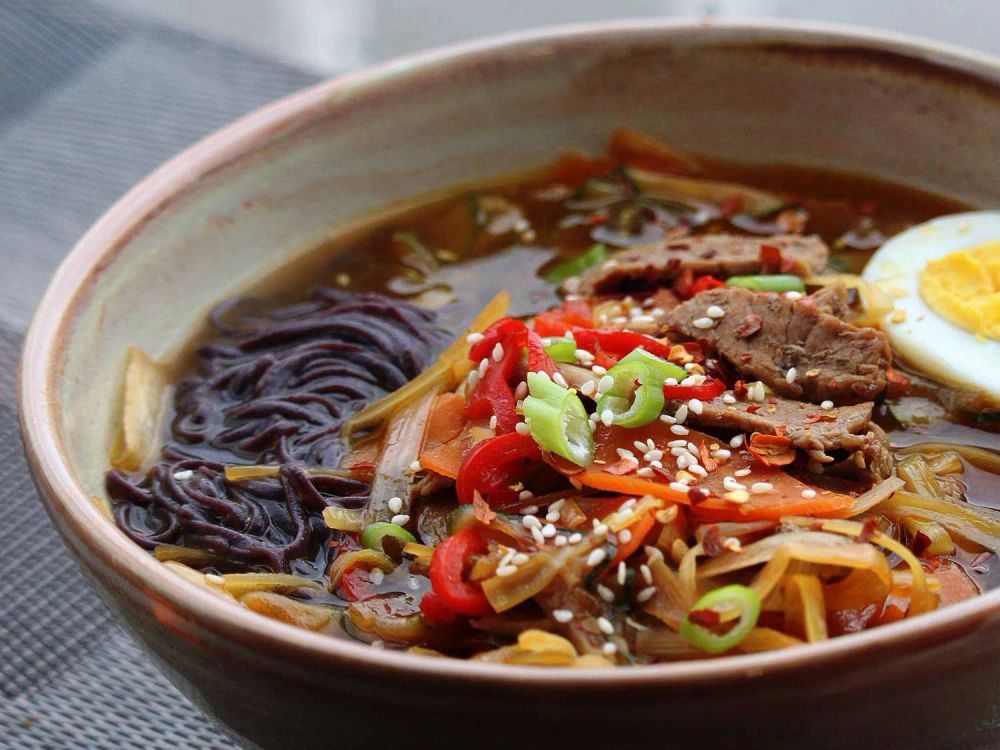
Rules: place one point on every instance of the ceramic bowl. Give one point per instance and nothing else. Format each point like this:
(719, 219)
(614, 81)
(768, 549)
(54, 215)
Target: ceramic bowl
(224, 213)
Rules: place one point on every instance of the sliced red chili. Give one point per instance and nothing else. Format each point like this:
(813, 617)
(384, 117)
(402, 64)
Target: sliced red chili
(447, 574)
(704, 283)
(493, 465)
(704, 392)
(556, 322)
(435, 611)
(356, 585)
(616, 344)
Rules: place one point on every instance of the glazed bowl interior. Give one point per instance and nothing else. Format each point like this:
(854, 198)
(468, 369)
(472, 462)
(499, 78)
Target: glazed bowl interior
(223, 215)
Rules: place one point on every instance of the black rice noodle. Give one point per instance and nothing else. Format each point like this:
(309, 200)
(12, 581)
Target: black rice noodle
(272, 388)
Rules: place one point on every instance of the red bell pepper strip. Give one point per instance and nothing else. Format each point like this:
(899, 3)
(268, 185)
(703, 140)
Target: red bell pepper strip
(704, 283)
(704, 392)
(572, 313)
(493, 465)
(616, 344)
(493, 394)
(447, 572)
(356, 586)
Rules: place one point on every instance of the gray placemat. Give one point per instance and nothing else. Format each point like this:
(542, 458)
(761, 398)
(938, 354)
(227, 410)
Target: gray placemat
(90, 101)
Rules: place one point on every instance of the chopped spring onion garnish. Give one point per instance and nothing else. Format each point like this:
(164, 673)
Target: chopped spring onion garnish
(557, 419)
(374, 533)
(660, 368)
(561, 349)
(596, 255)
(636, 397)
(779, 282)
(718, 608)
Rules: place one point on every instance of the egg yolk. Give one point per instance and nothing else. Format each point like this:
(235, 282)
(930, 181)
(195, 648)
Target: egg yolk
(963, 287)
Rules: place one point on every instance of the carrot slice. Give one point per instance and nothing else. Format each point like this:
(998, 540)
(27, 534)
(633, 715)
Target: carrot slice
(629, 484)
(446, 420)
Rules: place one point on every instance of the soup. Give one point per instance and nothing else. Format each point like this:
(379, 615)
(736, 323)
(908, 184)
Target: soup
(622, 410)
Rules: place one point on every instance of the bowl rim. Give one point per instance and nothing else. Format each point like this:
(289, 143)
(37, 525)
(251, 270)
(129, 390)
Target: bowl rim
(82, 524)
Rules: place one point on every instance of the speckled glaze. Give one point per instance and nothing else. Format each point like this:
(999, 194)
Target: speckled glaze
(222, 214)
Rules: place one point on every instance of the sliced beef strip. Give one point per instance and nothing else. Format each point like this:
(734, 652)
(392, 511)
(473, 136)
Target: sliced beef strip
(809, 427)
(656, 265)
(763, 336)
(832, 300)
(878, 453)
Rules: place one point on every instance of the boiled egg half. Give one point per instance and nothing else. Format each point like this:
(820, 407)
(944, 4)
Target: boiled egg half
(943, 277)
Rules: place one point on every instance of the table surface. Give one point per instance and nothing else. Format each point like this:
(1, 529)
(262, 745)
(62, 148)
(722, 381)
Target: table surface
(93, 97)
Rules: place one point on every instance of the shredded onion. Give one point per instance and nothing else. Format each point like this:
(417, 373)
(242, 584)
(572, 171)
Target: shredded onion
(978, 525)
(877, 494)
(982, 458)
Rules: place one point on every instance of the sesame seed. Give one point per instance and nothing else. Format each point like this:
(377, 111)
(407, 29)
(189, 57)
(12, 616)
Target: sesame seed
(625, 453)
(742, 472)
(699, 470)
(679, 429)
(667, 419)
(552, 516)
(737, 496)
(598, 370)
(522, 428)
(808, 494)
(575, 538)
(530, 522)
(647, 574)
(622, 571)
(605, 625)
(521, 391)
(609, 649)
(643, 319)
(678, 444)
(583, 355)
(415, 466)
(703, 323)
(548, 531)
(761, 488)
(483, 364)
(493, 422)
(527, 495)
(826, 405)
(215, 579)
(558, 379)
(645, 471)
(587, 389)
(596, 557)
(498, 352)
(562, 615)
(728, 398)
(181, 476)
(605, 593)
(714, 311)
(400, 519)
(377, 576)
(733, 544)
(537, 534)
(607, 417)
(646, 594)
(519, 559)
(559, 541)
(606, 383)
(506, 570)
(395, 504)
(474, 338)
(600, 529)
(791, 375)
(696, 406)
(625, 536)
(731, 484)
(721, 453)
(681, 414)
(678, 487)
(653, 455)
(684, 459)
(736, 441)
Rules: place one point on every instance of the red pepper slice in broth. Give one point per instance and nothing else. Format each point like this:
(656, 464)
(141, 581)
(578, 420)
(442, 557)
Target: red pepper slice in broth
(704, 392)
(447, 574)
(616, 344)
(493, 465)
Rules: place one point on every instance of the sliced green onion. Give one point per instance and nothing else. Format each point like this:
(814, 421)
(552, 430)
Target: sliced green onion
(561, 349)
(660, 368)
(779, 282)
(723, 602)
(596, 255)
(374, 533)
(557, 419)
(636, 398)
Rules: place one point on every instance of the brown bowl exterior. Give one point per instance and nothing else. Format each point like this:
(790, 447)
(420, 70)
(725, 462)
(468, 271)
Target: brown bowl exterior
(221, 215)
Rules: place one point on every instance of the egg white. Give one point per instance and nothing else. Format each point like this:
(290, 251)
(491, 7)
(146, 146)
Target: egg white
(923, 338)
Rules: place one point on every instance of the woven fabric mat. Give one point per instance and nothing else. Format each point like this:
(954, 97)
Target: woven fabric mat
(90, 102)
